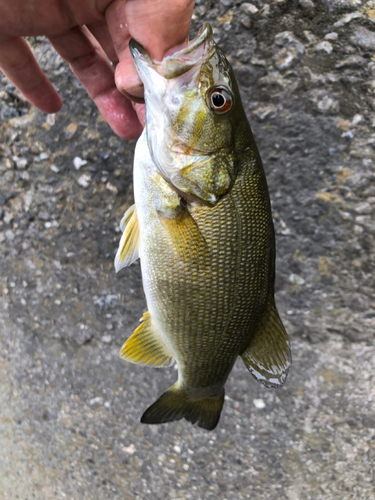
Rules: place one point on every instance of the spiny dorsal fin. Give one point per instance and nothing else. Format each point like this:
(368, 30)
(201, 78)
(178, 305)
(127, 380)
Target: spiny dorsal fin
(175, 404)
(187, 239)
(268, 356)
(145, 346)
(128, 250)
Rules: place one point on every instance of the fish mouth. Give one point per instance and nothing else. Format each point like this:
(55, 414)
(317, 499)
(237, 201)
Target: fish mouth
(181, 61)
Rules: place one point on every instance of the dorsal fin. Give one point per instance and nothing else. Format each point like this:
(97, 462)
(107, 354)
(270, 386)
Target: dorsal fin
(128, 250)
(268, 356)
(145, 346)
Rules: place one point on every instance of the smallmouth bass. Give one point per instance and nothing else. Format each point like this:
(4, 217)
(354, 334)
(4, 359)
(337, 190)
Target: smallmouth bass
(202, 228)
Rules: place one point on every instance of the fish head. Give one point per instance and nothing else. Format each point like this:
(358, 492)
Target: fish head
(193, 117)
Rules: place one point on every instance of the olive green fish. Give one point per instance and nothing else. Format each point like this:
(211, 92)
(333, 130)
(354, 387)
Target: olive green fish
(202, 227)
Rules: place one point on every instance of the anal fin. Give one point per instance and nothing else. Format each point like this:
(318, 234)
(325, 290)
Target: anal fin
(145, 346)
(268, 356)
(128, 250)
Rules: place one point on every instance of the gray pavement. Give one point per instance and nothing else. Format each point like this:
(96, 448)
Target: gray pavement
(70, 407)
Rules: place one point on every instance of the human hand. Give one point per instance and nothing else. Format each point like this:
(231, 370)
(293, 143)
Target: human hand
(89, 35)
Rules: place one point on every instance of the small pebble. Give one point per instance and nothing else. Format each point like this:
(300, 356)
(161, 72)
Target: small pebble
(246, 23)
(296, 279)
(348, 135)
(71, 130)
(21, 163)
(331, 36)
(84, 180)
(356, 119)
(51, 120)
(131, 449)
(259, 403)
(43, 215)
(97, 400)
(111, 188)
(363, 208)
(346, 19)
(287, 50)
(324, 47)
(363, 38)
(307, 4)
(325, 104)
(78, 162)
(9, 235)
(249, 8)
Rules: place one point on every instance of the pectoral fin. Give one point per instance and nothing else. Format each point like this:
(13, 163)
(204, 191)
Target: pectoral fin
(268, 356)
(187, 239)
(145, 346)
(128, 250)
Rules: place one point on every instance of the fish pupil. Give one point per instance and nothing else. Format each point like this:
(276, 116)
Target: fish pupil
(218, 100)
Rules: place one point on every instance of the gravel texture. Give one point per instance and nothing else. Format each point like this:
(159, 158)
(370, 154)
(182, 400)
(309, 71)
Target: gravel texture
(70, 407)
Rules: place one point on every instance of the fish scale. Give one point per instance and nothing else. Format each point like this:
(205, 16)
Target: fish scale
(202, 228)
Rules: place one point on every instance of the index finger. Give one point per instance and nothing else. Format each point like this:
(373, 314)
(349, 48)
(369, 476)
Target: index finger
(18, 64)
(92, 68)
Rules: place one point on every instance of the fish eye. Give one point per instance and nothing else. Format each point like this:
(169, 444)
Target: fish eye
(220, 101)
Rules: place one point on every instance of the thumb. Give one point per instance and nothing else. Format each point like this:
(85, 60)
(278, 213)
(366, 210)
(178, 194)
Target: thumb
(160, 26)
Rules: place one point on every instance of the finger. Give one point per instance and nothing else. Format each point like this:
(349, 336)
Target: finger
(140, 109)
(18, 64)
(127, 79)
(158, 25)
(101, 33)
(93, 69)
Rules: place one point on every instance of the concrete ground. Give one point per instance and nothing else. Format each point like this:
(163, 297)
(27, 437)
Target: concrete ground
(70, 407)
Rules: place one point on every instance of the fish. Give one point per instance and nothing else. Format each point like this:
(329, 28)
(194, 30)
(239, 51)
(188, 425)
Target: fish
(202, 227)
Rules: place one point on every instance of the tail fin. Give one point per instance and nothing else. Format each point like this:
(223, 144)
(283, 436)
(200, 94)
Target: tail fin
(175, 404)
